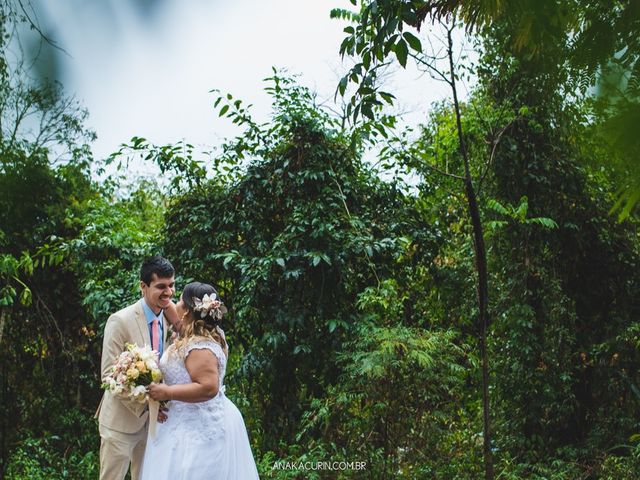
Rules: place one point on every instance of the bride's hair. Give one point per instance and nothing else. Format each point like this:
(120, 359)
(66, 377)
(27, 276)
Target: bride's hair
(193, 324)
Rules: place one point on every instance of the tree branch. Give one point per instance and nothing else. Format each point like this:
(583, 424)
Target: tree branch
(431, 68)
(495, 142)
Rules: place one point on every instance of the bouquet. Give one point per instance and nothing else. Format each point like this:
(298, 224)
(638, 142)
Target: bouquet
(134, 370)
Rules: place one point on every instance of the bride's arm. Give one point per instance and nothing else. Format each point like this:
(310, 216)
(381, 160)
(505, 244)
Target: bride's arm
(202, 366)
(171, 314)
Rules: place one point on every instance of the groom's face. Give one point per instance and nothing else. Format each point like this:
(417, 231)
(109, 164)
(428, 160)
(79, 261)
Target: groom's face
(159, 292)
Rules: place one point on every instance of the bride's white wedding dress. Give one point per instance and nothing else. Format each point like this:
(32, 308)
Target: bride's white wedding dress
(199, 441)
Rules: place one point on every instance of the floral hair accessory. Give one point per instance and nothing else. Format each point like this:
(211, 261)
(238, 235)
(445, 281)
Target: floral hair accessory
(209, 305)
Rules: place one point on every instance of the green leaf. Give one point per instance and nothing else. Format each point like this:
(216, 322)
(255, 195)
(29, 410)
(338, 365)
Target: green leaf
(387, 97)
(497, 207)
(366, 59)
(523, 207)
(414, 42)
(401, 52)
(545, 222)
(495, 224)
(25, 296)
(224, 110)
(342, 86)
(367, 111)
(227, 261)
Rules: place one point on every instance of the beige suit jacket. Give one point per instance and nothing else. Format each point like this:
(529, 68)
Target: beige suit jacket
(129, 325)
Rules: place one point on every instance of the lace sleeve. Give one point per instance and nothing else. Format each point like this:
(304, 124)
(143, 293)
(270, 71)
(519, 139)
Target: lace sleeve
(215, 348)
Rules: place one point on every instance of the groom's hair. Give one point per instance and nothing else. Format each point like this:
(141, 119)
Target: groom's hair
(158, 265)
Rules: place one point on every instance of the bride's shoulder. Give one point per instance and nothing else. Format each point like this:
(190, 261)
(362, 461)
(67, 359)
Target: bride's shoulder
(197, 343)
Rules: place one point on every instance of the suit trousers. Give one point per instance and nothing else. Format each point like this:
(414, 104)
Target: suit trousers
(118, 449)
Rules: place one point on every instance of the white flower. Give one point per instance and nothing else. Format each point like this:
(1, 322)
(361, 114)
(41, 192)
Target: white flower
(139, 393)
(151, 364)
(111, 382)
(125, 358)
(146, 353)
(209, 305)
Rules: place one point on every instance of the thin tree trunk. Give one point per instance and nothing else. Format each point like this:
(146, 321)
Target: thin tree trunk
(483, 297)
(3, 380)
(481, 269)
(3, 320)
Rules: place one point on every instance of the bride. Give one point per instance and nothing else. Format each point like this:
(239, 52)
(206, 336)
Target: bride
(204, 436)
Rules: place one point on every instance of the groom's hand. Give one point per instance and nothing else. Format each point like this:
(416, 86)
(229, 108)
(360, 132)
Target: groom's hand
(162, 415)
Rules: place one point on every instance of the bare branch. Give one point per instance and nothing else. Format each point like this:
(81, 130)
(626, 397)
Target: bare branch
(343, 197)
(434, 72)
(33, 22)
(46, 312)
(426, 164)
(495, 142)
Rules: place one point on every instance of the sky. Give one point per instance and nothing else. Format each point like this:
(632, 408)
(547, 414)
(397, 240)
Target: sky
(147, 67)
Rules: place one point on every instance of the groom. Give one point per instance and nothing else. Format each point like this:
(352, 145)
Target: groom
(122, 422)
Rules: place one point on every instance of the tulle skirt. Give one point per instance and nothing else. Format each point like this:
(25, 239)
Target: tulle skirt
(185, 448)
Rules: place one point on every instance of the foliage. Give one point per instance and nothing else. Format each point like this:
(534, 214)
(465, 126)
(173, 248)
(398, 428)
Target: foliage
(561, 335)
(379, 31)
(115, 236)
(398, 400)
(306, 227)
(45, 330)
(594, 41)
(69, 250)
(353, 320)
(70, 453)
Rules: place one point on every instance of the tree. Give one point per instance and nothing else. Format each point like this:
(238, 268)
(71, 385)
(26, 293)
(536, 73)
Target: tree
(596, 40)
(553, 314)
(306, 227)
(383, 28)
(44, 180)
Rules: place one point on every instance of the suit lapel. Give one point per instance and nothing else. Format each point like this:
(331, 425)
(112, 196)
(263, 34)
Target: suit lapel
(141, 321)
